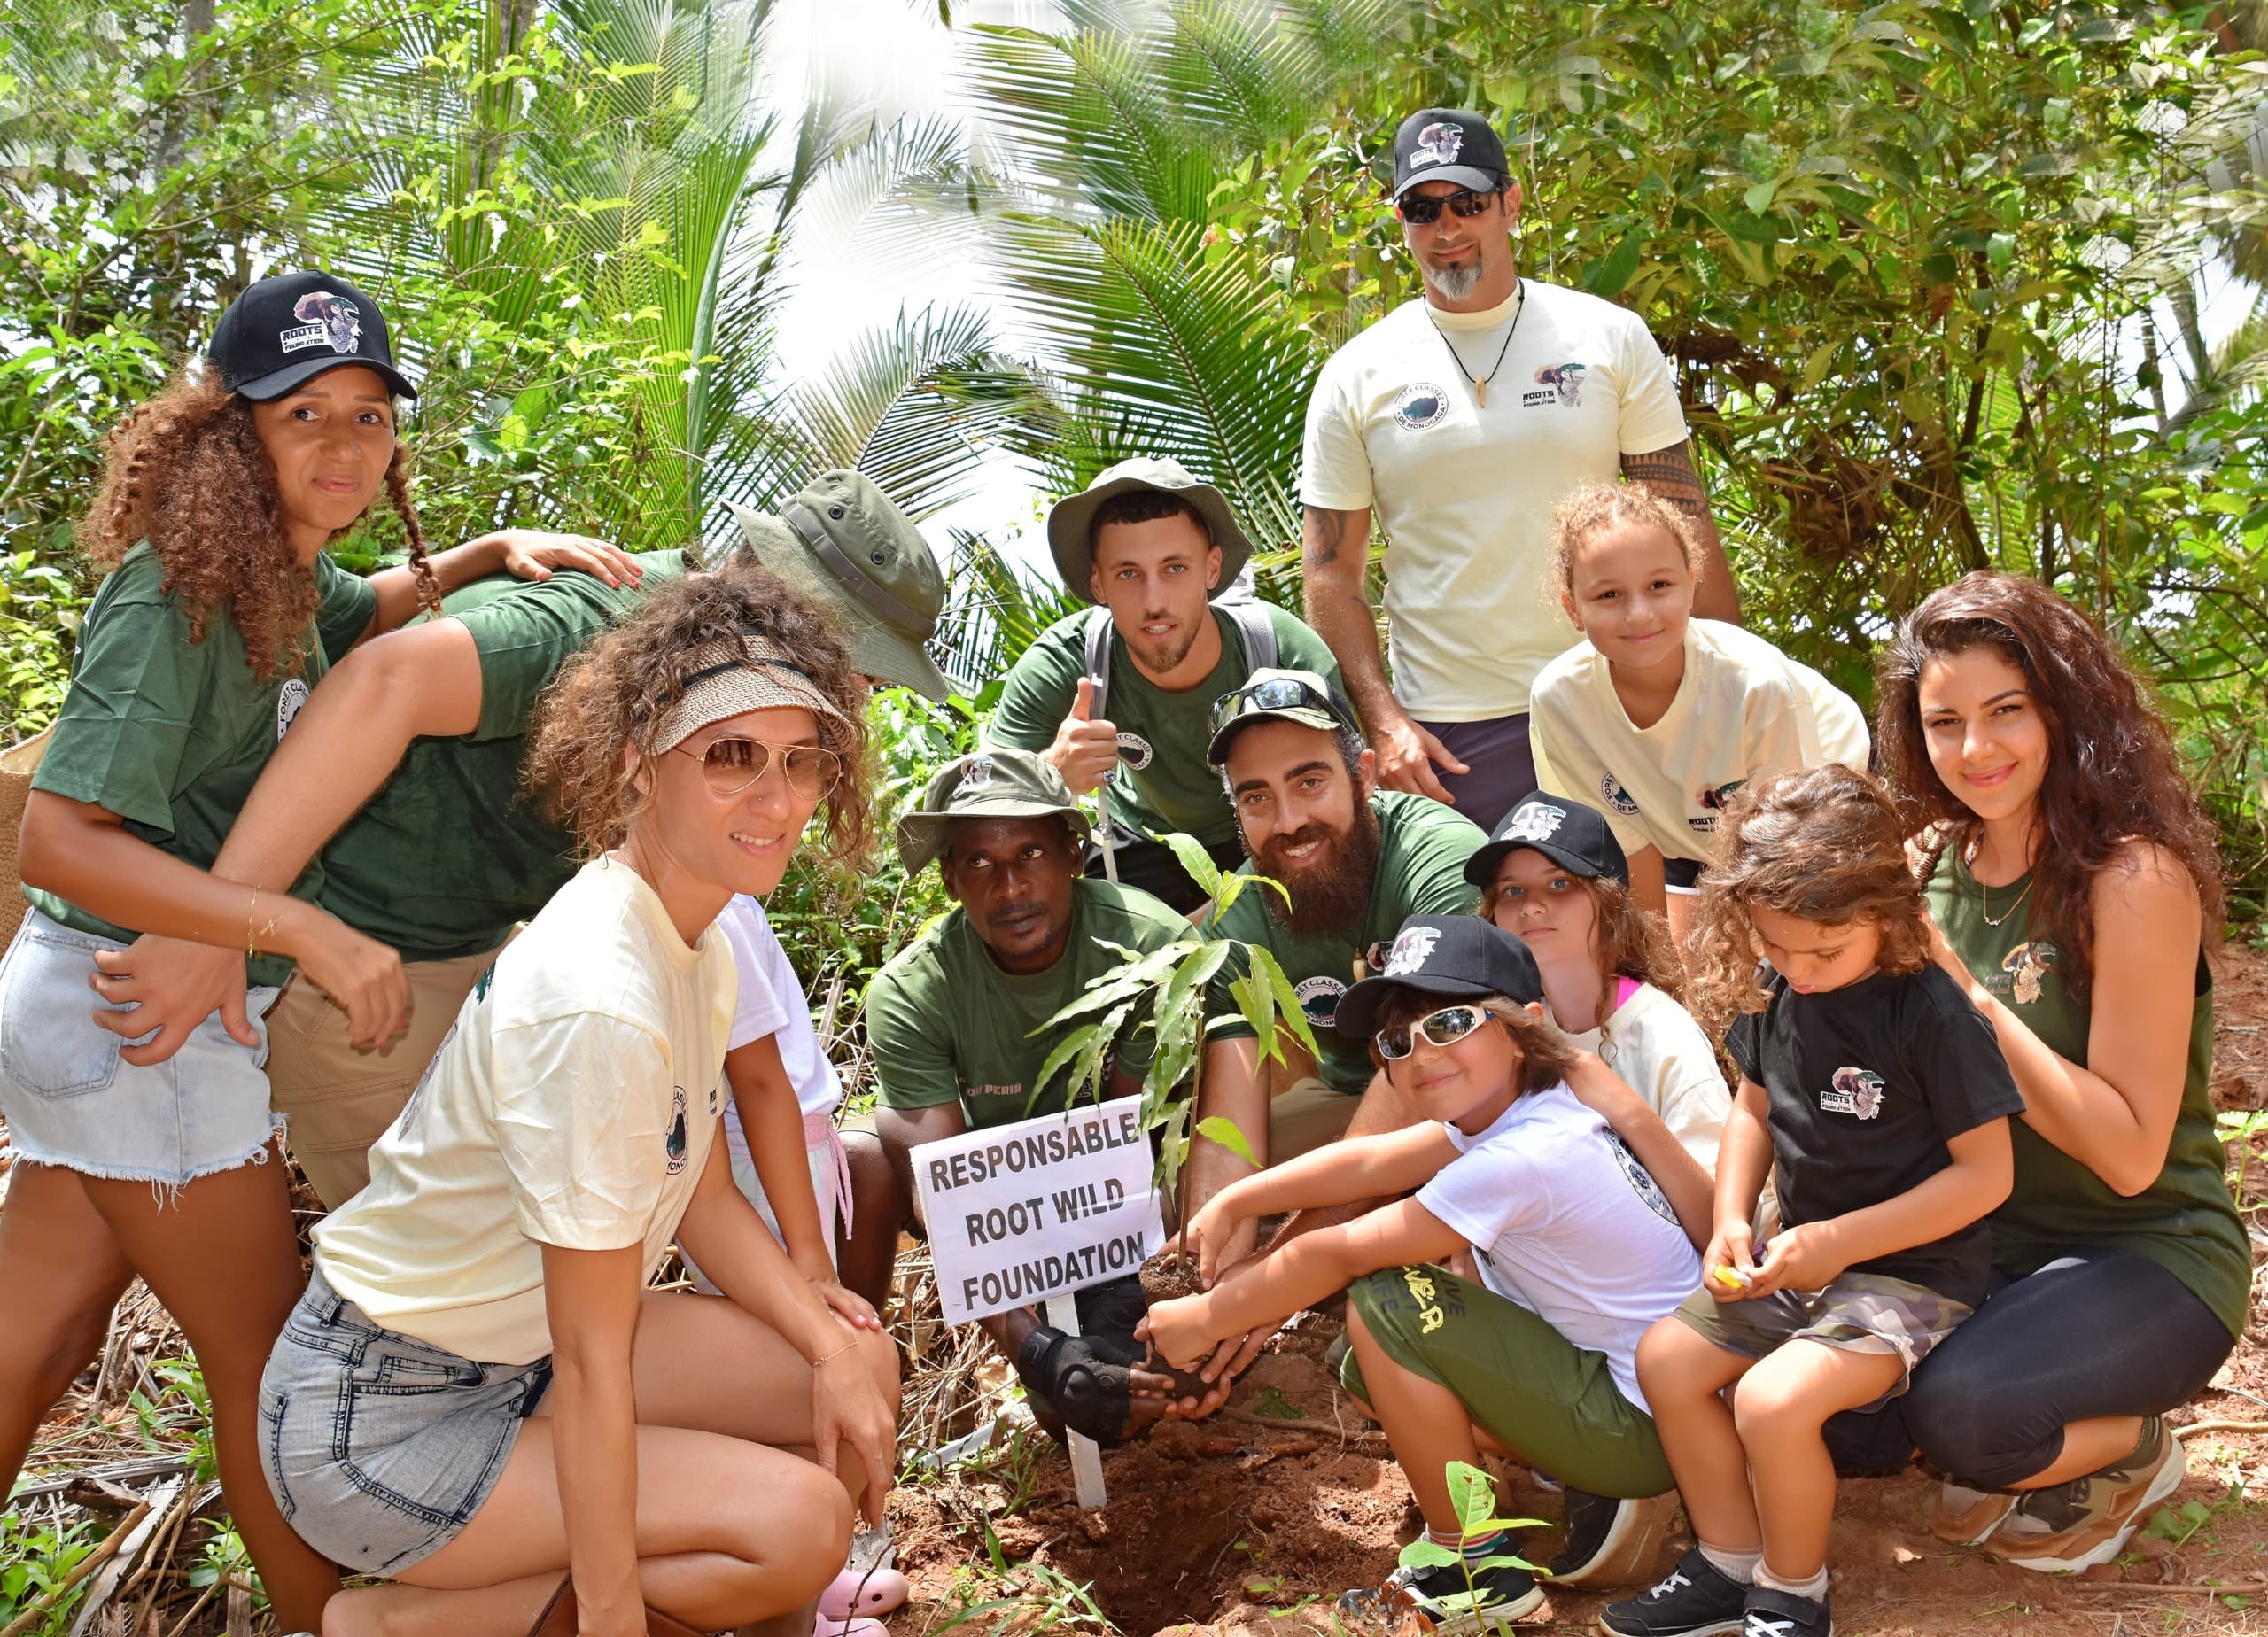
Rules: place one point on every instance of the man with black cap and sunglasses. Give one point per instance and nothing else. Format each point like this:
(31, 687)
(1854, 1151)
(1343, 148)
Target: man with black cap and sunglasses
(1460, 421)
(1353, 862)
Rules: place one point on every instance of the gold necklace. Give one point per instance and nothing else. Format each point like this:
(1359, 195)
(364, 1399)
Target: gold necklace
(1984, 893)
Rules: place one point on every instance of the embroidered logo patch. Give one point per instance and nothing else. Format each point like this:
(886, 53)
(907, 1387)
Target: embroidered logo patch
(1420, 404)
(325, 320)
(1535, 822)
(1614, 795)
(1437, 144)
(678, 1142)
(1135, 751)
(978, 775)
(1410, 951)
(289, 698)
(1319, 999)
(2026, 965)
(1852, 1091)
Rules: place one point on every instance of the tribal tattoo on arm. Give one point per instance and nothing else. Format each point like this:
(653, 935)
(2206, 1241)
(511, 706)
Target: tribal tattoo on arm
(1669, 474)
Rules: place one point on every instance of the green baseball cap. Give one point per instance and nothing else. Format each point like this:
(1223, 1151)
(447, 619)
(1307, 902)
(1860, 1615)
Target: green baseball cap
(842, 543)
(998, 783)
(1277, 695)
(1070, 525)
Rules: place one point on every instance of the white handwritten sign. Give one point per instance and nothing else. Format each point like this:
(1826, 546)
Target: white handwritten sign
(1020, 1212)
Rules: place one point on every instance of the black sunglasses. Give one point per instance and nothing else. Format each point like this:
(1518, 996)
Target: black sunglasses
(1424, 210)
(1270, 693)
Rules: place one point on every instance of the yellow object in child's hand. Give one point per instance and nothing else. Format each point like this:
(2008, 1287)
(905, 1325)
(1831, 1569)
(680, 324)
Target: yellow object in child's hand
(1730, 1277)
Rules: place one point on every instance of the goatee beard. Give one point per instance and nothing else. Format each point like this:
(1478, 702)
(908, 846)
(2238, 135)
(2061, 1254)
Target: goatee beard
(1330, 898)
(1158, 661)
(1454, 283)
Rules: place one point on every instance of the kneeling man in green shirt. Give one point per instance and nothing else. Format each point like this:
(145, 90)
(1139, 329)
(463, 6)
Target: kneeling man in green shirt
(950, 1022)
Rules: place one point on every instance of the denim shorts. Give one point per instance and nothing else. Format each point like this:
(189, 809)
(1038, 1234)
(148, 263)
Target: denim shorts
(380, 1448)
(70, 1100)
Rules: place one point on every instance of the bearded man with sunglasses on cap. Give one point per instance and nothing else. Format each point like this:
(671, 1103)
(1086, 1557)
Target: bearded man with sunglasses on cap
(1460, 421)
(1353, 862)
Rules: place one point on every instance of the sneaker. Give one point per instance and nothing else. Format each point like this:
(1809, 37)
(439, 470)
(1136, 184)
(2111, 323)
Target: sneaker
(1611, 1542)
(1441, 1595)
(1960, 1515)
(2085, 1522)
(1696, 1599)
(1772, 1612)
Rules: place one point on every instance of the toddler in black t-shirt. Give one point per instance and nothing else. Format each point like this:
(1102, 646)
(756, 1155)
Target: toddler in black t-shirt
(1878, 1098)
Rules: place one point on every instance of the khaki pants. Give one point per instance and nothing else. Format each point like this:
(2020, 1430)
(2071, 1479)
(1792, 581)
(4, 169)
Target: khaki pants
(1305, 1116)
(337, 1101)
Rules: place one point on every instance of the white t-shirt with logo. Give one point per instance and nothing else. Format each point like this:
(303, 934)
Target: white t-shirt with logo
(1464, 492)
(1743, 708)
(573, 1105)
(1564, 1220)
(1654, 1047)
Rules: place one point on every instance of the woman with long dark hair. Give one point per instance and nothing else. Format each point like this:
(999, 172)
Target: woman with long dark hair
(2071, 874)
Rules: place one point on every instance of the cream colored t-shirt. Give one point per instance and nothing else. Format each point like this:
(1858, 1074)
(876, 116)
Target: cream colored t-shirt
(572, 1104)
(1743, 708)
(1654, 1047)
(1464, 494)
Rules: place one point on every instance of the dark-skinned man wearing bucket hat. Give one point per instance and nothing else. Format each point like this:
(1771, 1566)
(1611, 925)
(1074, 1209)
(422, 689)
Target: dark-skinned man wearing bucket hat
(408, 783)
(955, 1025)
(1118, 694)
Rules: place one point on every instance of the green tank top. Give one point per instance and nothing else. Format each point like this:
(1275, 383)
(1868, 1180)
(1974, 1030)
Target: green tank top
(2184, 1222)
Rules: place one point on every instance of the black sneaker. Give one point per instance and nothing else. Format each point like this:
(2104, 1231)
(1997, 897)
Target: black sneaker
(1611, 1542)
(1696, 1599)
(1774, 1613)
(1444, 1598)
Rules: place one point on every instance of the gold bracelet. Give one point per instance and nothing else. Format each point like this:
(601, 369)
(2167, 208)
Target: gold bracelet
(837, 1354)
(253, 932)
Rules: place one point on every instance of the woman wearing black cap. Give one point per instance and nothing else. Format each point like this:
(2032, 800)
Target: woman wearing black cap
(220, 612)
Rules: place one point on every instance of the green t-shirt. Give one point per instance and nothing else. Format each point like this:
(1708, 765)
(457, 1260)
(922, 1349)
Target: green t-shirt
(170, 735)
(946, 1025)
(1162, 781)
(2184, 1222)
(1423, 847)
(452, 851)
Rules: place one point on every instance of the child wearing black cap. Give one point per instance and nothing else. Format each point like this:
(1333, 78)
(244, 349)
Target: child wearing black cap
(1578, 1252)
(1555, 877)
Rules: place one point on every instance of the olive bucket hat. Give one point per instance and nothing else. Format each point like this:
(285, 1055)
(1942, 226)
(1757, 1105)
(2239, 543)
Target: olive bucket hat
(997, 783)
(841, 542)
(1070, 525)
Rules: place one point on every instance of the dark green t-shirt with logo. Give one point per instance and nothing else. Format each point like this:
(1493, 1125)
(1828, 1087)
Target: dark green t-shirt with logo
(2184, 1222)
(1423, 847)
(947, 1025)
(171, 734)
(452, 851)
(1162, 781)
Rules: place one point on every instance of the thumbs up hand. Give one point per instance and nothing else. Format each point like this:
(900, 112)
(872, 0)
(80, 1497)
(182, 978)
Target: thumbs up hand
(1085, 750)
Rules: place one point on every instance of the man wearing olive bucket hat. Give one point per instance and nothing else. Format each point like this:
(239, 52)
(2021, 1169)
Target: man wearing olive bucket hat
(410, 788)
(1120, 695)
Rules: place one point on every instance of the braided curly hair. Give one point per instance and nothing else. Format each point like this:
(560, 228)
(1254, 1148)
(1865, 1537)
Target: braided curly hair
(188, 472)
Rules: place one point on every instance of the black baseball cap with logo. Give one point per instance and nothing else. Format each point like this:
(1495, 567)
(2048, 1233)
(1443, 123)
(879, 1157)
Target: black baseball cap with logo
(1453, 957)
(285, 331)
(1574, 837)
(1449, 144)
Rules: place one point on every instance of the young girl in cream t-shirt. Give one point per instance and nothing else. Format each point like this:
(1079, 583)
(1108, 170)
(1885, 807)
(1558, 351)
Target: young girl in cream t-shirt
(1657, 717)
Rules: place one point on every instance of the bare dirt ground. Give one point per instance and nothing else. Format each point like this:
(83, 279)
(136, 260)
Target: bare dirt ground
(1256, 1520)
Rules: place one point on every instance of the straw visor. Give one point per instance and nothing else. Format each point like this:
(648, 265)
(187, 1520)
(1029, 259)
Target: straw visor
(725, 679)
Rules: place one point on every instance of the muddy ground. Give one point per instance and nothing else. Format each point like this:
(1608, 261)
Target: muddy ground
(1256, 1520)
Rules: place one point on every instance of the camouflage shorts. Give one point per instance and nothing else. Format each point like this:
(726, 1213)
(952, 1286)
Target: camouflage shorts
(1858, 1312)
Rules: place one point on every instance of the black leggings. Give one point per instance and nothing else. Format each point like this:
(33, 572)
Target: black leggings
(2096, 1332)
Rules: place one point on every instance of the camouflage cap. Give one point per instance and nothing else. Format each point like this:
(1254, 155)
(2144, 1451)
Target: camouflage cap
(997, 783)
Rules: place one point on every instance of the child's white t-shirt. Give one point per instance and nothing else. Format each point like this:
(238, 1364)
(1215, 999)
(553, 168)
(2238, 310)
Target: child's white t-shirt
(1565, 1222)
(1743, 708)
(1654, 1047)
(772, 1002)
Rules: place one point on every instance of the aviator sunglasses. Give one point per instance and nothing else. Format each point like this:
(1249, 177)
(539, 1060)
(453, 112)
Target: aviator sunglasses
(1444, 1027)
(1424, 210)
(732, 765)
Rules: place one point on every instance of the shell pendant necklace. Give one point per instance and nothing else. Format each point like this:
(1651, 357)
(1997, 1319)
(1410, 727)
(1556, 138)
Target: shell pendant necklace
(1479, 384)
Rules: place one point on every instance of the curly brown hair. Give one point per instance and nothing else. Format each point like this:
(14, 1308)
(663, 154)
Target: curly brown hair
(1629, 940)
(188, 472)
(1826, 845)
(2113, 775)
(1593, 507)
(1546, 1055)
(611, 697)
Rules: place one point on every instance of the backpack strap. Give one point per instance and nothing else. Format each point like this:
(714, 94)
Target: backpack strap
(1098, 660)
(1259, 632)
